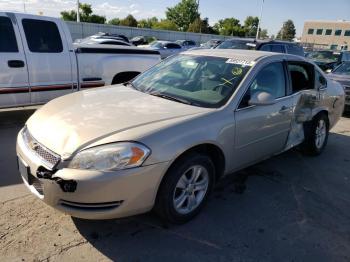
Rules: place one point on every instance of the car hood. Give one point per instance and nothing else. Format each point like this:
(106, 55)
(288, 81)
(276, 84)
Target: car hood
(74, 121)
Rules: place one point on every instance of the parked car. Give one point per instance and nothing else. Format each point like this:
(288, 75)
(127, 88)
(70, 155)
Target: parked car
(165, 48)
(104, 41)
(325, 59)
(39, 62)
(263, 45)
(186, 44)
(211, 44)
(341, 74)
(164, 139)
(102, 35)
(142, 40)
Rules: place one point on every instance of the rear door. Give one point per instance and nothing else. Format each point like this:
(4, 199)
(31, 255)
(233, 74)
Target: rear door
(14, 88)
(48, 56)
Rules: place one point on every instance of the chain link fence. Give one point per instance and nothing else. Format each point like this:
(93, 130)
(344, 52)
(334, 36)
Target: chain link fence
(82, 30)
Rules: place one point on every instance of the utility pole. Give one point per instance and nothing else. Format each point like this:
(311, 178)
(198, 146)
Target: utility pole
(200, 22)
(260, 18)
(24, 6)
(78, 14)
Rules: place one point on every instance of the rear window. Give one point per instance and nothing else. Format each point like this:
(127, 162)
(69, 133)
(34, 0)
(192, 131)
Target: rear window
(8, 42)
(235, 44)
(295, 50)
(42, 36)
(272, 48)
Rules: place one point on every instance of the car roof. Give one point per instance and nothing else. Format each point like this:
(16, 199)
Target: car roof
(247, 55)
(260, 41)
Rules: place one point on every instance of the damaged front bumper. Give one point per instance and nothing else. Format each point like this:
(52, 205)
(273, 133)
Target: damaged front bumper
(91, 194)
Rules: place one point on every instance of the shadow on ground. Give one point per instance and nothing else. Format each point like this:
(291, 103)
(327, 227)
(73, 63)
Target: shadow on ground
(288, 208)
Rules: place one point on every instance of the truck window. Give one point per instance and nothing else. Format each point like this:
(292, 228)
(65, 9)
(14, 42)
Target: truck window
(295, 50)
(8, 42)
(42, 36)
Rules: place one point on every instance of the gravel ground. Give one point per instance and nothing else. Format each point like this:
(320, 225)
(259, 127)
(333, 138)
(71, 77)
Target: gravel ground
(288, 208)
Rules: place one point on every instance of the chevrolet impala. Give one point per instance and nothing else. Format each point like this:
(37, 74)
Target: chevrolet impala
(163, 140)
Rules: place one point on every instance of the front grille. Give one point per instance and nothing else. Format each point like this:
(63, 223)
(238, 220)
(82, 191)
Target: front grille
(49, 158)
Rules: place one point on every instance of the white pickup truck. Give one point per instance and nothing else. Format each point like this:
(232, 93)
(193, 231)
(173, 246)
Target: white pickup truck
(39, 62)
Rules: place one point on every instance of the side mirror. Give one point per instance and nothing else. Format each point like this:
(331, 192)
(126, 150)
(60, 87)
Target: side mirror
(262, 99)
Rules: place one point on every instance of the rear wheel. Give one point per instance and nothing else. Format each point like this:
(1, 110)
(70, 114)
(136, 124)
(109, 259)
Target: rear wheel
(316, 135)
(185, 188)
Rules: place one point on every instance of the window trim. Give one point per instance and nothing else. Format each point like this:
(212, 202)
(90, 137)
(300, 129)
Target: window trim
(286, 80)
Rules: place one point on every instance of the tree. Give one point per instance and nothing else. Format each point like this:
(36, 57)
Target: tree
(229, 26)
(183, 14)
(86, 15)
(201, 26)
(114, 21)
(251, 25)
(129, 21)
(147, 23)
(165, 24)
(263, 33)
(287, 31)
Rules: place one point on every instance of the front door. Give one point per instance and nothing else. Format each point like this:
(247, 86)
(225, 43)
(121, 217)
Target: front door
(14, 87)
(48, 56)
(262, 131)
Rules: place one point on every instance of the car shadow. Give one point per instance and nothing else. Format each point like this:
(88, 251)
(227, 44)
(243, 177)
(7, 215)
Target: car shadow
(11, 123)
(289, 206)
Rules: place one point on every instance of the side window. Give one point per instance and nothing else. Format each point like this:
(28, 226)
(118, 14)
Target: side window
(320, 80)
(270, 79)
(173, 46)
(277, 48)
(301, 76)
(266, 48)
(8, 42)
(295, 50)
(42, 36)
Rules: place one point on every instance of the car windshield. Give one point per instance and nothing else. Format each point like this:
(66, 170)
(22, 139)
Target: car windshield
(197, 80)
(323, 55)
(156, 44)
(343, 69)
(235, 44)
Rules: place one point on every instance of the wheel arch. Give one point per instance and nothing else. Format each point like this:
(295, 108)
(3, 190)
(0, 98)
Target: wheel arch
(123, 77)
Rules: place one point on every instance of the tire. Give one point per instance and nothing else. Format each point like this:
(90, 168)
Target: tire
(316, 135)
(176, 186)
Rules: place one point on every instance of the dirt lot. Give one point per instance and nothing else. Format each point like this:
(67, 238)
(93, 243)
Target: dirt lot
(289, 208)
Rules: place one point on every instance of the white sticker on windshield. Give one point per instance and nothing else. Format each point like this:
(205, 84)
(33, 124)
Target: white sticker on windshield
(239, 62)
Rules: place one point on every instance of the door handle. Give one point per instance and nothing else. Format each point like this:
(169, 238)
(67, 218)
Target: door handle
(15, 63)
(284, 109)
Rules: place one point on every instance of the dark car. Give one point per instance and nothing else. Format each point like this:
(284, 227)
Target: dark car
(327, 60)
(186, 44)
(262, 45)
(341, 74)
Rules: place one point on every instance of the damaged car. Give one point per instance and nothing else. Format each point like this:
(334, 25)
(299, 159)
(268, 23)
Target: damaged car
(163, 140)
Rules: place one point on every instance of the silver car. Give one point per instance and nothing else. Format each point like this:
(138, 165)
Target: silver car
(163, 140)
(165, 48)
(341, 74)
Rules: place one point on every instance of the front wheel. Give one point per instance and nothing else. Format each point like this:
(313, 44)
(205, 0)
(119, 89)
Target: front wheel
(185, 188)
(316, 135)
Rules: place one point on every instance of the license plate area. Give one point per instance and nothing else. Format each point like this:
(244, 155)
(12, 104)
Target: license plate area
(24, 170)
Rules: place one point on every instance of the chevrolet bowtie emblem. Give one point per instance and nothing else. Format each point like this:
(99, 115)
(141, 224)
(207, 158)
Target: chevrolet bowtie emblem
(33, 145)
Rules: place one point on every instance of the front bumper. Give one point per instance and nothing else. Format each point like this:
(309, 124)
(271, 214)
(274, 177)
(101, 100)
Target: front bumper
(98, 195)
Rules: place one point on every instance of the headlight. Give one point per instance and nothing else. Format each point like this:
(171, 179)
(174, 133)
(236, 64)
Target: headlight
(111, 157)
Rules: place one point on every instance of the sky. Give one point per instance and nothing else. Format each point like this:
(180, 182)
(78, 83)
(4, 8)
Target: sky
(275, 11)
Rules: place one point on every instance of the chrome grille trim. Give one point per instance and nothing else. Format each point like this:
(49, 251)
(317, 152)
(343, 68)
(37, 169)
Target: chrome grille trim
(49, 158)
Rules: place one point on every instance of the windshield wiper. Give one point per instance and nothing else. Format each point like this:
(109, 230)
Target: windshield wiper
(172, 98)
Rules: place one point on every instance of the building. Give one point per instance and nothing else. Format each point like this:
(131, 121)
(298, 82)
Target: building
(333, 35)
